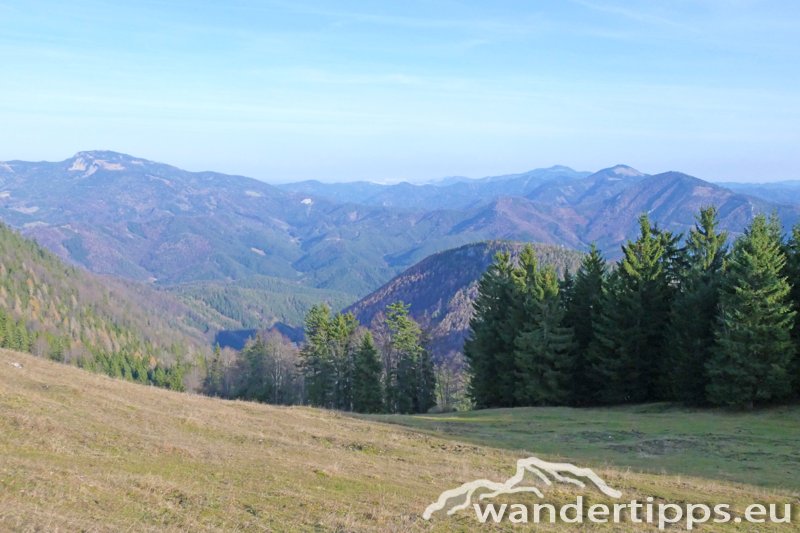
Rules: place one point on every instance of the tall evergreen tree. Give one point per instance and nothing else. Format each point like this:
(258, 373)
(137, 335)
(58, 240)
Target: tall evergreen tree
(544, 346)
(629, 350)
(409, 383)
(490, 348)
(342, 348)
(583, 307)
(215, 374)
(316, 358)
(426, 383)
(367, 389)
(792, 273)
(754, 352)
(694, 311)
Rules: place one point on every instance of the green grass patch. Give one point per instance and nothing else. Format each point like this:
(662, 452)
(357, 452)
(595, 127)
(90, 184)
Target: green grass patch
(757, 447)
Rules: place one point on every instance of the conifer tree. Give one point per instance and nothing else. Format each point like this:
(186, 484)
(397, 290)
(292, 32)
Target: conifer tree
(407, 387)
(343, 327)
(426, 383)
(629, 350)
(754, 352)
(316, 358)
(213, 384)
(490, 348)
(367, 389)
(544, 346)
(694, 311)
(583, 308)
(792, 273)
(254, 383)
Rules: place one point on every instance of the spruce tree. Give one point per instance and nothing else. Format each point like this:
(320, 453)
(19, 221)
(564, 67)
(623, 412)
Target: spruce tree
(544, 346)
(342, 347)
(367, 390)
(214, 382)
(694, 311)
(426, 383)
(583, 307)
(316, 358)
(629, 351)
(609, 367)
(754, 352)
(490, 348)
(792, 273)
(409, 383)
(254, 384)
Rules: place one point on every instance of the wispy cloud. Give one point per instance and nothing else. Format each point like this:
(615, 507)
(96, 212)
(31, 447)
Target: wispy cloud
(644, 15)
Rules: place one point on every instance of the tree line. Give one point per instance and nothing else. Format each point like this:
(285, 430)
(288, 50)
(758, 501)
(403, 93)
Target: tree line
(133, 362)
(692, 320)
(341, 365)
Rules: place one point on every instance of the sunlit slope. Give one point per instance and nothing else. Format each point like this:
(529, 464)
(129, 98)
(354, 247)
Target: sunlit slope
(80, 451)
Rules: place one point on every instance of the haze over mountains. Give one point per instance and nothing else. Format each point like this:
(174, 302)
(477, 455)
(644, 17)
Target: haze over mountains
(121, 215)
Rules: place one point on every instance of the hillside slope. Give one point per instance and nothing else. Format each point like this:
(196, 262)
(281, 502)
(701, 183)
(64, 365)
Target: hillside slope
(79, 451)
(70, 315)
(440, 289)
(257, 302)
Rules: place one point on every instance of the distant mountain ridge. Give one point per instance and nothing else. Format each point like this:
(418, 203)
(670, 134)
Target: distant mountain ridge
(122, 215)
(450, 193)
(779, 192)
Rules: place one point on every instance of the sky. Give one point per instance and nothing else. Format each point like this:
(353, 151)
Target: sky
(288, 90)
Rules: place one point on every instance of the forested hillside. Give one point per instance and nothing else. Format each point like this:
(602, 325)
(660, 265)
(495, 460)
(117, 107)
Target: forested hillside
(59, 312)
(258, 302)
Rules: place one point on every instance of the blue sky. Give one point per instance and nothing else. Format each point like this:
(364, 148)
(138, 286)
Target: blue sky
(287, 90)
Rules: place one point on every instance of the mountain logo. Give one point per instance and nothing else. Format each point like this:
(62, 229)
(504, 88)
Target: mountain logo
(483, 489)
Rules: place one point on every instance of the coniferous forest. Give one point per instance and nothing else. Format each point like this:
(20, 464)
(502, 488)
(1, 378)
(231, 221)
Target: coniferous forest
(700, 320)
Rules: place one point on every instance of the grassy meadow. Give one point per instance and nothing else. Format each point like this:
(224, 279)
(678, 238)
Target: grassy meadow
(84, 452)
(760, 447)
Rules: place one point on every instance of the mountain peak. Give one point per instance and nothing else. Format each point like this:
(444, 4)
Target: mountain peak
(625, 170)
(618, 172)
(92, 160)
(105, 155)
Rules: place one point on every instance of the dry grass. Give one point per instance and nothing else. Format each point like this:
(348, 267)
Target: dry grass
(80, 451)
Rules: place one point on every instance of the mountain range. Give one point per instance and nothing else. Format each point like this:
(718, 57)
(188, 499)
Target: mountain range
(257, 253)
(780, 192)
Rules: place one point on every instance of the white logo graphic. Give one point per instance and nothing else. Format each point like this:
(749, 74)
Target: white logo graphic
(513, 484)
